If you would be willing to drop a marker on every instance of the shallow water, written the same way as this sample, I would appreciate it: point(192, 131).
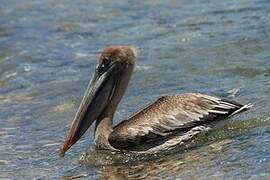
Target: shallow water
point(48, 52)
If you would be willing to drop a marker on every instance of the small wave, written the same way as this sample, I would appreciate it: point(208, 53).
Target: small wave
point(142, 67)
point(80, 55)
point(9, 75)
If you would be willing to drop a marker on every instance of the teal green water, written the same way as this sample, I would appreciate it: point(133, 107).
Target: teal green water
point(48, 51)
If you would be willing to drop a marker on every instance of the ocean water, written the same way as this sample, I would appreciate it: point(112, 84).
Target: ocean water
point(48, 51)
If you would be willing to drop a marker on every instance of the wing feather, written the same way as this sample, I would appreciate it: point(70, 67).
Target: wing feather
point(169, 114)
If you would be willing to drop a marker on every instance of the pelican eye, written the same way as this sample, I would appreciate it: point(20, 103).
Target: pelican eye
point(105, 64)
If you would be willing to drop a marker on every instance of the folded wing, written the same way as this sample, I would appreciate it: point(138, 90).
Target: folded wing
point(170, 114)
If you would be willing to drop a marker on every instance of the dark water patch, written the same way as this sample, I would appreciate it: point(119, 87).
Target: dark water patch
point(4, 55)
point(236, 10)
point(5, 32)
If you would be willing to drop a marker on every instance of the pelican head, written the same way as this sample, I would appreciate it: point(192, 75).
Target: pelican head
point(104, 92)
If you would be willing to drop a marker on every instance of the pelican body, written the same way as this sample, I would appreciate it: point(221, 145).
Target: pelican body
point(161, 126)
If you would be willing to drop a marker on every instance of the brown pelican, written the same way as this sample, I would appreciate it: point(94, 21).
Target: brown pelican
point(161, 126)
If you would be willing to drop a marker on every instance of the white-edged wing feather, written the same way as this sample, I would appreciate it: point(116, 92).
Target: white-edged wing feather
point(169, 114)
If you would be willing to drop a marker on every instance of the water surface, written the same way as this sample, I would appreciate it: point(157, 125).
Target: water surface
point(48, 51)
